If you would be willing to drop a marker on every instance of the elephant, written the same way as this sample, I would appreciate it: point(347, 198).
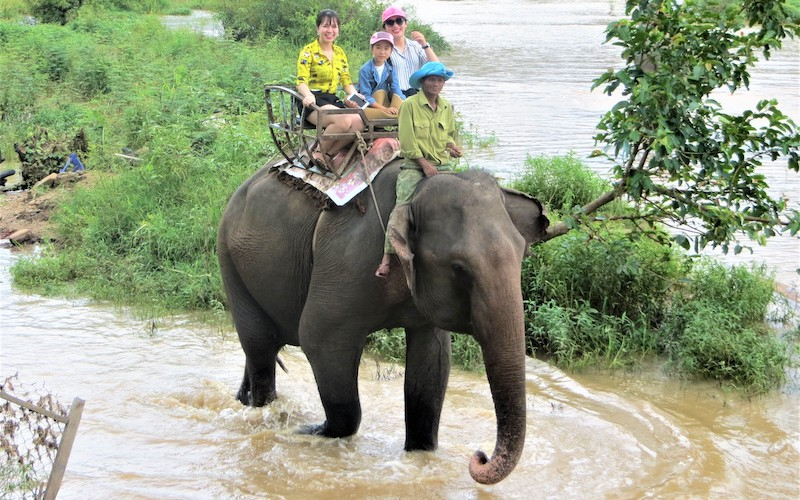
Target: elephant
point(298, 275)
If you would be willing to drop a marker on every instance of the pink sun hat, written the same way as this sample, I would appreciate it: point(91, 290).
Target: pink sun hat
point(381, 36)
point(392, 12)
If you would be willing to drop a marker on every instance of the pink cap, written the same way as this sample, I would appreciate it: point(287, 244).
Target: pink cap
point(393, 12)
point(381, 35)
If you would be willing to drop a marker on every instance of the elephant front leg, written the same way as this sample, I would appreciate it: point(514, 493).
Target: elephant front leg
point(336, 372)
point(427, 371)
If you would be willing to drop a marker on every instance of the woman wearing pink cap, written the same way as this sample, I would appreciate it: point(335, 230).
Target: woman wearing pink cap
point(378, 81)
point(409, 54)
point(322, 68)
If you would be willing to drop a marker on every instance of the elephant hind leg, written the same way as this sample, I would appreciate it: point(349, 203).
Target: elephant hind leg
point(258, 383)
point(259, 335)
point(243, 394)
point(427, 371)
point(261, 341)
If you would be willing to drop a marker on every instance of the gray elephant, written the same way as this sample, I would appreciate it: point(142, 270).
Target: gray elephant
point(295, 275)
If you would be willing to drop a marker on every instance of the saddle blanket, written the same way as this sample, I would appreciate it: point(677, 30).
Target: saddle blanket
point(356, 177)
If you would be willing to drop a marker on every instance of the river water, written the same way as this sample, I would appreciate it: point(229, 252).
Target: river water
point(161, 421)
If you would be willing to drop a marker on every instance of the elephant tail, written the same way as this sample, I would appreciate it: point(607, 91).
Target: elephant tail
point(280, 363)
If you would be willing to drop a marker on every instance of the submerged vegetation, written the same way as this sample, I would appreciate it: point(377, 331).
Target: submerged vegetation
point(190, 109)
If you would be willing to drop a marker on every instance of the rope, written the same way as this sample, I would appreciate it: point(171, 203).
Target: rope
point(362, 148)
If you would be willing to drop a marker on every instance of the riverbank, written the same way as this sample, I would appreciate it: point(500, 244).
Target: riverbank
point(25, 214)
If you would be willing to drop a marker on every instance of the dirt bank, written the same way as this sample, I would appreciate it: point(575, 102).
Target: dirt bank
point(27, 212)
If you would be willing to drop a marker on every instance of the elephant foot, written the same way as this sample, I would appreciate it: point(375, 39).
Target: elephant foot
point(327, 430)
point(255, 399)
point(243, 396)
point(312, 430)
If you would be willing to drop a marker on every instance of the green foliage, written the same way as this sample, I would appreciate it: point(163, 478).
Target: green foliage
point(467, 353)
point(192, 110)
point(20, 480)
point(609, 295)
point(388, 344)
point(678, 154)
point(705, 339)
point(745, 292)
point(295, 22)
point(54, 11)
point(578, 336)
point(614, 274)
point(560, 182)
point(597, 300)
point(585, 307)
point(10, 9)
point(391, 345)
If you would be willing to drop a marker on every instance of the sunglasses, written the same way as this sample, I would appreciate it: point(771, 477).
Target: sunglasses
point(391, 22)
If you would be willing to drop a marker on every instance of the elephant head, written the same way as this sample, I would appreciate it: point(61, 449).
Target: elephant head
point(461, 241)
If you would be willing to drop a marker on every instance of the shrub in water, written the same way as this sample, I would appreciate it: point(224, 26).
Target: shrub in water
point(704, 339)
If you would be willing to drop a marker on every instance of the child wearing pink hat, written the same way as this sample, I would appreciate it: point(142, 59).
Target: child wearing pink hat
point(408, 54)
point(378, 81)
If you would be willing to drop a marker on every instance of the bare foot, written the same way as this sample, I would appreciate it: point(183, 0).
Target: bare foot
point(383, 269)
point(318, 159)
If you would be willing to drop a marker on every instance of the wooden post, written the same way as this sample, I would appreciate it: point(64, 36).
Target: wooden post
point(64, 449)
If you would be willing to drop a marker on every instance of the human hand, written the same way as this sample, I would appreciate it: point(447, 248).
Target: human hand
point(419, 38)
point(455, 150)
point(309, 100)
point(428, 169)
point(391, 111)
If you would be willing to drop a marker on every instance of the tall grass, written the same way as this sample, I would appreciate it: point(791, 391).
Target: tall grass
point(190, 108)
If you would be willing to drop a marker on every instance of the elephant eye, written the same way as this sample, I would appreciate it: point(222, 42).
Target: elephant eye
point(461, 273)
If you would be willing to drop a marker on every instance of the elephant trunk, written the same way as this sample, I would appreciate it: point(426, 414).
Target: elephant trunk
point(501, 334)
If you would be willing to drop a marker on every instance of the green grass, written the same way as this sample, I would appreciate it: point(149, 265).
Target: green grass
point(17, 481)
point(192, 109)
point(391, 346)
point(559, 182)
point(704, 340)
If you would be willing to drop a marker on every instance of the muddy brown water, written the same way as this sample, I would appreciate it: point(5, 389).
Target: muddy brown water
point(161, 421)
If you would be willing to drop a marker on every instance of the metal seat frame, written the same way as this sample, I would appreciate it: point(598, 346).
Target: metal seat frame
point(296, 137)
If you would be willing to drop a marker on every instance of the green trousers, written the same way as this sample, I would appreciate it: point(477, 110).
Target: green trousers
point(410, 175)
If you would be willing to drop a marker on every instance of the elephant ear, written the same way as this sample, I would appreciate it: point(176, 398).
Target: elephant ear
point(400, 224)
point(527, 215)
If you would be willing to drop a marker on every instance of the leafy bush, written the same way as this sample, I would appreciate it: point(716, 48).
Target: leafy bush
point(612, 295)
point(391, 345)
point(590, 300)
point(742, 291)
point(559, 182)
point(578, 336)
point(54, 11)
point(705, 339)
point(613, 274)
